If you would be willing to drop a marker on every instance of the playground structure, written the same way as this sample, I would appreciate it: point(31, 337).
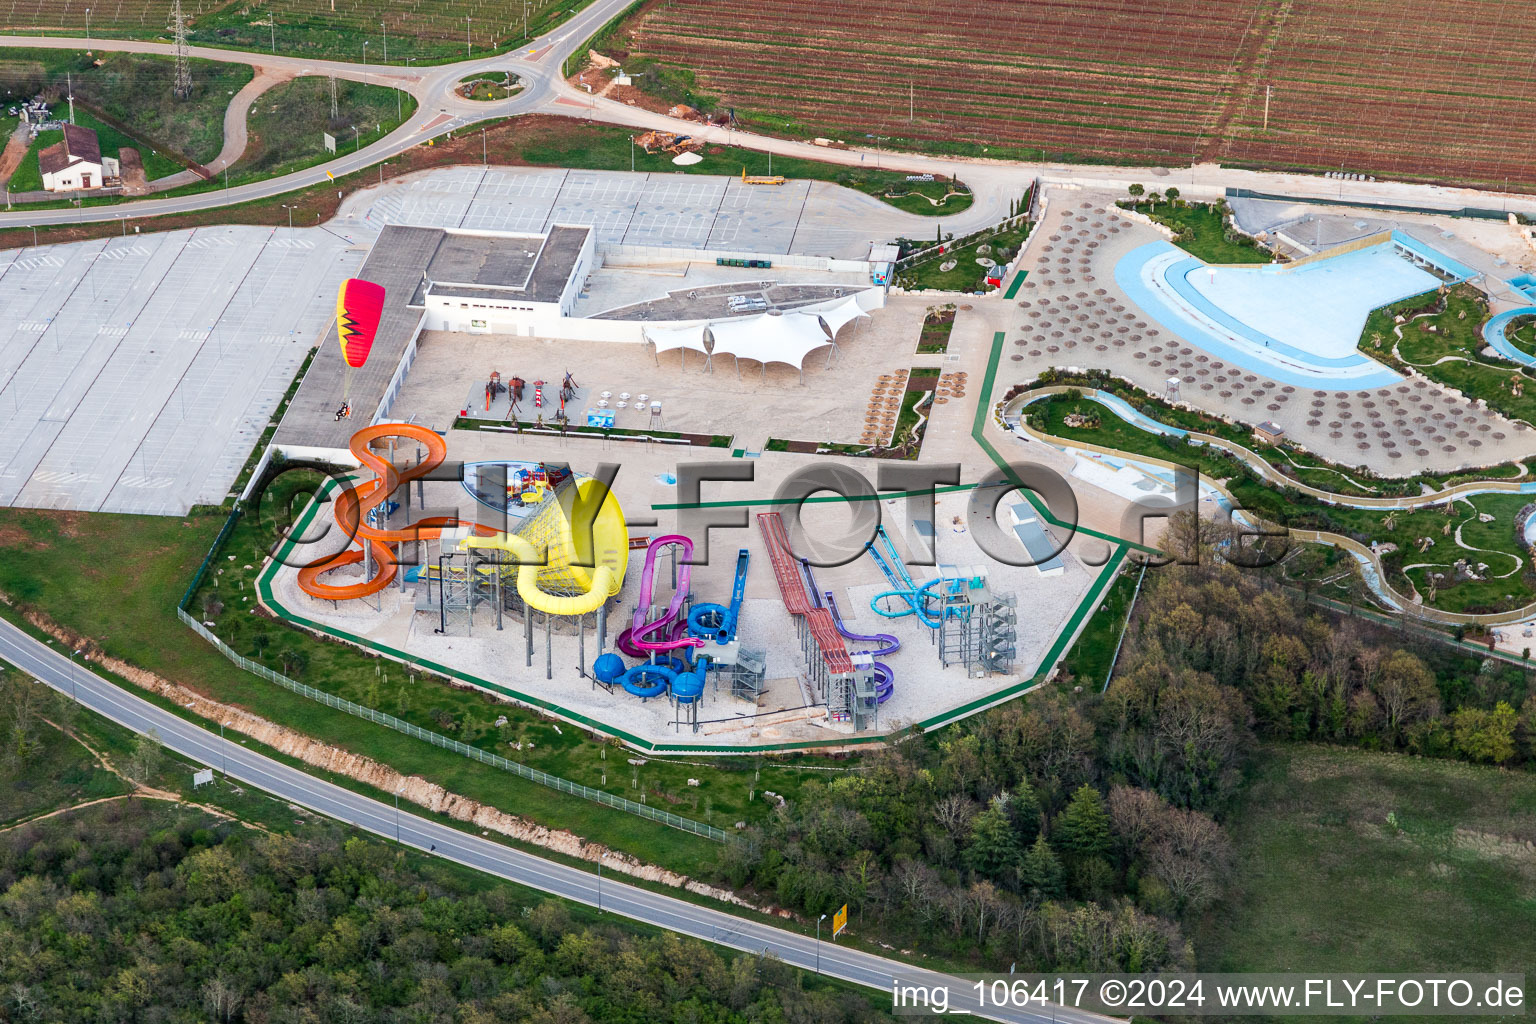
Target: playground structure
point(556, 570)
point(846, 685)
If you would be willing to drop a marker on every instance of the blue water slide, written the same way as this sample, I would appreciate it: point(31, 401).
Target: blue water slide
point(648, 680)
point(718, 622)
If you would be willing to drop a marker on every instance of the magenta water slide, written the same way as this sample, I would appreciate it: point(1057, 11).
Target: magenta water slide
point(633, 641)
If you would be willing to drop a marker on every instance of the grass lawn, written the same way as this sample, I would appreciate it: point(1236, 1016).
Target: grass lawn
point(1353, 861)
point(287, 122)
point(127, 606)
point(1202, 232)
point(29, 178)
point(54, 770)
point(1521, 332)
point(1452, 328)
point(966, 275)
point(134, 91)
point(1088, 660)
point(936, 327)
point(485, 86)
point(1508, 583)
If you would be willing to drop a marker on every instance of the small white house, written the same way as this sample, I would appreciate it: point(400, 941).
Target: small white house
point(76, 162)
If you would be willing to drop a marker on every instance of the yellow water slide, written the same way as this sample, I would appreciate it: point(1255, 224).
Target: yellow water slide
point(564, 570)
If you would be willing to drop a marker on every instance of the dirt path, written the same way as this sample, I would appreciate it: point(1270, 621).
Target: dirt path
point(139, 790)
point(236, 135)
point(15, 148)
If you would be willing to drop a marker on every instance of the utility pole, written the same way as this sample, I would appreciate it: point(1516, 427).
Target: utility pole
point(911, 102)
point(69, 83)
point(1267, 90)
point(333, 98)
point(182, 89)
point(87, 31)
point(385, 28)
point(272, 23)
point(466, 36)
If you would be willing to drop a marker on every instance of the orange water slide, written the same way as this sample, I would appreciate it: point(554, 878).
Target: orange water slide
point(354, 504)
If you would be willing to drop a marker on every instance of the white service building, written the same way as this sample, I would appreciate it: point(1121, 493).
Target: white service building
point(491, 282)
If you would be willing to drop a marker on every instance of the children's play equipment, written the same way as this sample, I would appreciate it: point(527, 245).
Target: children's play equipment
point(668, 631)
point(354, 504)
point(885, 677)
point(718, 622)
point(846, 685)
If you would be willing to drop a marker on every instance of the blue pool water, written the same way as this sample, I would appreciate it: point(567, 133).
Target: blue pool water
point(1299, 325)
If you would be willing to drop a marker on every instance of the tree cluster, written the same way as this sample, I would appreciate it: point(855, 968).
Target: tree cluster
point(117, 917)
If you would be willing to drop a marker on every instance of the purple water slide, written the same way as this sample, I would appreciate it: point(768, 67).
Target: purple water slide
point(885, 676)
point(890, 644)
point(633, 640)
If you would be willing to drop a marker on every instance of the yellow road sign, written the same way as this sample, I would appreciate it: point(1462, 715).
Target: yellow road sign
point(840, 920)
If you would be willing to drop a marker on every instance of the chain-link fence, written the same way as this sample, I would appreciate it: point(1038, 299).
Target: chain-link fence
point(436, 739)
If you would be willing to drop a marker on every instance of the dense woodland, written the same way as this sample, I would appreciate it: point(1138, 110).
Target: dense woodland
point(129, 912)
point(1079, 831)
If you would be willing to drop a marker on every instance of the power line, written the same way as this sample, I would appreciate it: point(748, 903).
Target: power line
point(182, 88)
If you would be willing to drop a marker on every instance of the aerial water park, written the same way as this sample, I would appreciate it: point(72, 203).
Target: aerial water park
point(526, 569)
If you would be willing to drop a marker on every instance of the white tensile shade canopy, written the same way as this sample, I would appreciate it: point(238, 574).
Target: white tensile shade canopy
point(787, 338)
point(838, 316)
point(668, 338)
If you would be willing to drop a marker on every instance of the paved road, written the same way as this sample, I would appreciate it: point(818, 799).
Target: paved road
point(995, 183)
point(61, 672)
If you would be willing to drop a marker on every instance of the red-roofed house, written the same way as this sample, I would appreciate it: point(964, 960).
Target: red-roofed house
point(76, 162)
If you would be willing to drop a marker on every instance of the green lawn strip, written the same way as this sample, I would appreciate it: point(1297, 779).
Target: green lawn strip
point(45, 769)
point(1352, 860)
point(1088, 661)
point(286, 124)
point(1202, 231)
point(1521, 333)
point(1451, 328)
point(967, 275)
point(608, 148)
point(937, 325)
point(1290, 460)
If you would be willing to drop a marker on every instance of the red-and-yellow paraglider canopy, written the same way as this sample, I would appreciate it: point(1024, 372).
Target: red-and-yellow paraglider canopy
point(359, 304)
